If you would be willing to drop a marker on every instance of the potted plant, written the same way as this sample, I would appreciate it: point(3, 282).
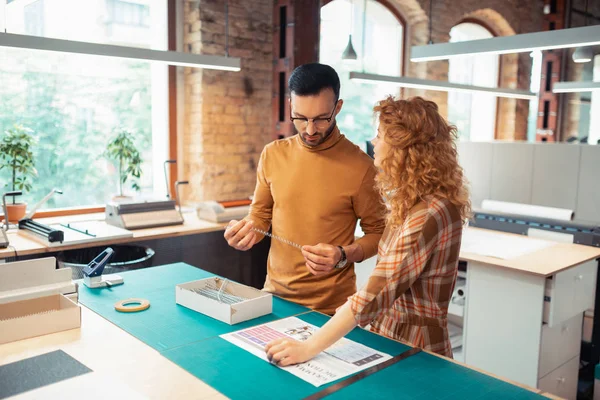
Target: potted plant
point(16, 155)
point(122, 149)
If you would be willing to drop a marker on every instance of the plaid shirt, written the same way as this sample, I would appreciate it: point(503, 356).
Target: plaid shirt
point(408, 293)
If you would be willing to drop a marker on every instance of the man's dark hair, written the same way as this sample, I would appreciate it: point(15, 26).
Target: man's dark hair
point(311, 79)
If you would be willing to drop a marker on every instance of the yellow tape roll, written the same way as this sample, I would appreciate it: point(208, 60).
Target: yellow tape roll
point(127, 305)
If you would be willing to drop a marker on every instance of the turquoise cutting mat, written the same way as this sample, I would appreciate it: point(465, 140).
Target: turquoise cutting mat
point(227, 367)
point(424, 376)
point(166, 324)
point(190, 340)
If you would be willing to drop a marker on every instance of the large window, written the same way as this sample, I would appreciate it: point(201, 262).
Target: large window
point(75, 103)
point(534, 86)
point(473, 114)
point(594, 137)
point(382, 54)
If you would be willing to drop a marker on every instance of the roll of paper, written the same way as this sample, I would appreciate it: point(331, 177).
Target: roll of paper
point(529, 210)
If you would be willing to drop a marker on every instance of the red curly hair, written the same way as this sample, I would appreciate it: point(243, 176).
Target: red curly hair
point(422, 159)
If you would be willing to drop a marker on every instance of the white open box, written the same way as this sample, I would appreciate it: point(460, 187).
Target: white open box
point(258, 303)
point(39, 316)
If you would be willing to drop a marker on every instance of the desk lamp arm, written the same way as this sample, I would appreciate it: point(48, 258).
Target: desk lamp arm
point(30, 214)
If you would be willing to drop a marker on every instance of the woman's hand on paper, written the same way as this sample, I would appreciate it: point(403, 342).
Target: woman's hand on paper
point(287, 351)
point(240, 236)
point(322, 258)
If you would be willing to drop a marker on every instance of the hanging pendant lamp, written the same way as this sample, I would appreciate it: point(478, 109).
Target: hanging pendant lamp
point(349, 53)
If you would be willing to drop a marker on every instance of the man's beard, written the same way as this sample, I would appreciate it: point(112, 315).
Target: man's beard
point(322, 136)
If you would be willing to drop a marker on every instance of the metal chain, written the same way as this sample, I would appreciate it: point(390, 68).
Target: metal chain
point(289, 242)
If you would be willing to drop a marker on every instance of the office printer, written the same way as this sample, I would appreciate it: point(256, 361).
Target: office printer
point(217, 212)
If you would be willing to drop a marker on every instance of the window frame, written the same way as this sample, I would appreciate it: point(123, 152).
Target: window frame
point(172, 134)
point(490, 29)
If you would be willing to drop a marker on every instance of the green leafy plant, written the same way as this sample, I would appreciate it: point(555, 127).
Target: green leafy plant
point(17, 156)
point(123, 150)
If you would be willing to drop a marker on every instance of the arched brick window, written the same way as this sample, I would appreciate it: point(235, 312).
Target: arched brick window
point(474, 114)
point(383, 50)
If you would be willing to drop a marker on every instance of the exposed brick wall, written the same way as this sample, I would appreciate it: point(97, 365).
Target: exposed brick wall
point(227, 114)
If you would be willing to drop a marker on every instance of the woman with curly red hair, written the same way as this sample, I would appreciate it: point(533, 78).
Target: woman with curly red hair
point(408, 293)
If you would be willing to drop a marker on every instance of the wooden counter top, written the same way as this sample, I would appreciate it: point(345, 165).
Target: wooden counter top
point(123, 366)
point(545, 261)
point(25, 245)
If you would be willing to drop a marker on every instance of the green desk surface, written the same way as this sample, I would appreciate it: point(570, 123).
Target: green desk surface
point(227, 367)
point(166, 324)
point(191, 340)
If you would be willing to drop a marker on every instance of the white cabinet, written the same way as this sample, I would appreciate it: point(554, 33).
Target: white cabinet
point(560, 344)
point(562, 381)
point(569, 293)
point(525, 327)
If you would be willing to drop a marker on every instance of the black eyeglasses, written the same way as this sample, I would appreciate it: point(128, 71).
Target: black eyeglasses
point(319, 123)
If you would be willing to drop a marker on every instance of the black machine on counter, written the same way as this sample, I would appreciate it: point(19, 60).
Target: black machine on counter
point(50, 234)
point(38, 229)
point(582, 232)
point(57, 233)
point(26, 223)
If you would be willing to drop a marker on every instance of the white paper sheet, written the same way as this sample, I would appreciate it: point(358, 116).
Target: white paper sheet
point(493, 244)
point(344, 358)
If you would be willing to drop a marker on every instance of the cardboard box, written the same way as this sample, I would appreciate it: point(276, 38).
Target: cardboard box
point(256, 304)
point(39, 316)
point(22, 280)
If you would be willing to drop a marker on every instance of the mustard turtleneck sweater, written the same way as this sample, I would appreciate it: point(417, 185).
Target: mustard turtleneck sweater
point(312, 195)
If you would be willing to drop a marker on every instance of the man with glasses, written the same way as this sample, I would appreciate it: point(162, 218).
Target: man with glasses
point(311, 189)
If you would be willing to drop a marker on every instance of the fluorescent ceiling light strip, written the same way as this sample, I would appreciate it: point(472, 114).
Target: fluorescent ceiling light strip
point(415, 83)
point(131, 53)
point(526, 42)
point(574, 87)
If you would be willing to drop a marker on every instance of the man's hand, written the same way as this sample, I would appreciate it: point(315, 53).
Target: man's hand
point(284, 352)
point(240, 236)
point(322, 258)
